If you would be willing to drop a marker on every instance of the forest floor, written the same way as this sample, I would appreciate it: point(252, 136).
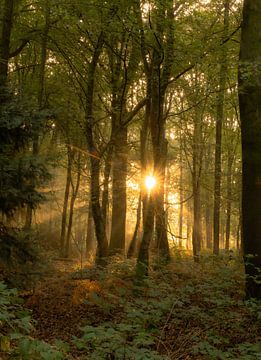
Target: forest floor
point(182, 311)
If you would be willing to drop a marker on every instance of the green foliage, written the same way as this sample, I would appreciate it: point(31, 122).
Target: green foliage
point(16, 325)
point(118, 341)
point(205, 300)
point(254, 306)
point(13, 318)
point(21, 170)
point(135, 335)
point(244, 351)
point(199, 305)
point(22, 173)
point(31, 349)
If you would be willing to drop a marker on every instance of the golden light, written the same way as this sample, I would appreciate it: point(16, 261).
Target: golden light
point(150, 182)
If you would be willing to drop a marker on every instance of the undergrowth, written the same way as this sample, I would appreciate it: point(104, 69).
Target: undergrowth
point(16, 327)
point(181, 311)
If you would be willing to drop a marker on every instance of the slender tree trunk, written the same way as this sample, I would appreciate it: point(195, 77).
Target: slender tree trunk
point(219, 123)
point(208, 202)
point(143, 256)
point(229, 195)
point(181, 197)
point(134, 241)
point(250, 114)
point(74, 194)
point(105, 193)
point(144, 153)
point(239, 228)
point(100, 228)
point(222, 233)
point(65, 201)
point(196, 178)
point(197, 231)
point(90, 236)
point(208, 220)
point(188, 241)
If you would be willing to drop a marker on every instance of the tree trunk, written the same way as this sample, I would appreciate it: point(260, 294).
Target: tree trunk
point(181, 197)
point(208, 202)
point(134, 241)
point(160, 212)
point(74, 194)
point(90, 236)
point(105, 193)
point(188, 241)
point(197, 229)
point(196, 178)
point(144, 153)
point(250, 113)
point(229, 195)
point(119, 195)
point(219, 123)
point(29, 210)
point(142, 267)
point(208, 221)
point(239, 228)
point(100, 228)
point(65, 202)
point(158, 72)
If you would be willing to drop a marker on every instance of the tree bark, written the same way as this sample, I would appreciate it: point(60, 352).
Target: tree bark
point(208, 221)
point(90, 236)
point(208, 202)
point(250, 114)
point(181, 197)
point(74, 194)
point(219, 123)
point(188, 233)
point(65, 201)
point(105, 193)
point(142, 267)
point(158, 72)
point(119, 194)
point(229, 195)
point(196, 184)
point(134, 241)
point(95, 160)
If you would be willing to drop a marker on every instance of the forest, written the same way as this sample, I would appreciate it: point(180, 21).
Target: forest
point(130, 179)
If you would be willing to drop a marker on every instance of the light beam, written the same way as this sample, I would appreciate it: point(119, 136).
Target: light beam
point(150, 182)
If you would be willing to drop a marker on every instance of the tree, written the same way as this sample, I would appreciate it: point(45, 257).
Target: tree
point(40, 99)
point(219, 123)
point(124, 55)
point(21, 174)
point(250, 114)
point(158, 59)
